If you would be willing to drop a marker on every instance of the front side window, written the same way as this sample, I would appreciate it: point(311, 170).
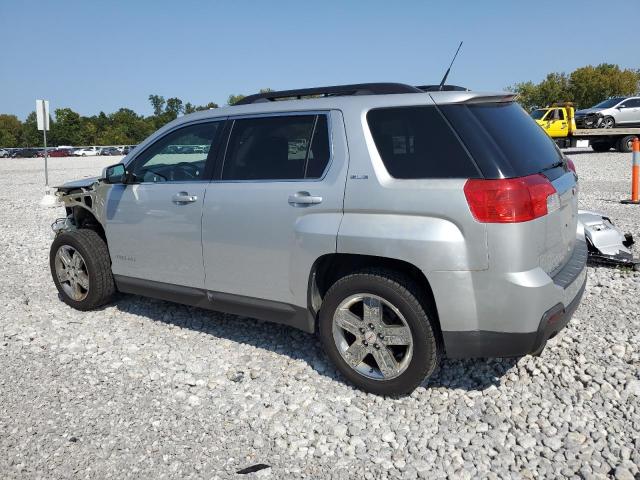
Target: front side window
point(277, 148)
point(632, 103)
point(554, 114)
point(179, 156)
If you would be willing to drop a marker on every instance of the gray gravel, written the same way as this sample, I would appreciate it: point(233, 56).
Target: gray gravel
point(149, 389)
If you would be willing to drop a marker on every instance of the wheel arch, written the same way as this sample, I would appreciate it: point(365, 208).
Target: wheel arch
point(83, 217)
point(329, 268)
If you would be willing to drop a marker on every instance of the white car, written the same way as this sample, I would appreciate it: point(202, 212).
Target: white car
point(87, 152)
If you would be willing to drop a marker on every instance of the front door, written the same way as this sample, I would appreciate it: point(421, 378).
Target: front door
point(629, 112)
point(556, 124)
point(276, 206)
point(154, 224)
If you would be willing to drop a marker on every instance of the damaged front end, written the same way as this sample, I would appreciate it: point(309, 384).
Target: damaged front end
point(607, 244)
point(81, 203)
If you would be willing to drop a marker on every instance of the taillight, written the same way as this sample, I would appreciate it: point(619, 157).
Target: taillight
point(510, 200)
point(571, 165)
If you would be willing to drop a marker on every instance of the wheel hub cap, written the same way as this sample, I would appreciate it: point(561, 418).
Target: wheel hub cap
point(370, 336)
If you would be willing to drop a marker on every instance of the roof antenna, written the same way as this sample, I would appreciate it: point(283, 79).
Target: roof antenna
point(444, 79)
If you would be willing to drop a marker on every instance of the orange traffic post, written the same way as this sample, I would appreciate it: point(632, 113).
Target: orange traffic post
point(635, 173)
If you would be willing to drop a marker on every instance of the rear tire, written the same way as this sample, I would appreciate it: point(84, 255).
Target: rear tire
point(625, 143)
point(387, 324)
point(601, 146)
point(81, 269)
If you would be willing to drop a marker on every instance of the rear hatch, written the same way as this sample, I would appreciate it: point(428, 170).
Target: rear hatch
point(506, 143)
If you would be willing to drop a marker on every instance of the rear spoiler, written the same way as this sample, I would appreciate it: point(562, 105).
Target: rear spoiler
point(440, 98)
point(507, 97)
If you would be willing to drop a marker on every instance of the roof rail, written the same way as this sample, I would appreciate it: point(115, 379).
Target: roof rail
point(444, 88)
point(338, 90)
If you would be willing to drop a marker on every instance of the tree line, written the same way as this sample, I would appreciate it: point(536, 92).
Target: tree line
point(123, 127)
point(585, 87)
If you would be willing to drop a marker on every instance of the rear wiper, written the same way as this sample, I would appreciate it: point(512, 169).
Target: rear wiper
point(559, 163)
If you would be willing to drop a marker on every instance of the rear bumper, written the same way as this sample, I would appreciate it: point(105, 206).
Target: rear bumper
point(477, 344)
point(521, 312)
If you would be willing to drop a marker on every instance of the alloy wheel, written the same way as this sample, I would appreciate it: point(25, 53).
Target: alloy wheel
point(72, 273)
point(372, 336)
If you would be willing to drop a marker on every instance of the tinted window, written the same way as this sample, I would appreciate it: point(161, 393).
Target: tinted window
point(277, 148)
point(503, 139)
point(179, 156)
point(416, 142)
point(633, 103)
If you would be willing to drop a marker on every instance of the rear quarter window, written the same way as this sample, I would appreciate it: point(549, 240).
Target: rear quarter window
point(417, 143)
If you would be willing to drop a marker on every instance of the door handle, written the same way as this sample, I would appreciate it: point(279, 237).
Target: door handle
point(303, 199)
point(183, 197)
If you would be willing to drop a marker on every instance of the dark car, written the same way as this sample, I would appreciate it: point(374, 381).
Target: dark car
point(25, 153)
point(110, 151)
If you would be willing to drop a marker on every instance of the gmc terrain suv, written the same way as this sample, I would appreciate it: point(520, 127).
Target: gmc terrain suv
point(400, 223)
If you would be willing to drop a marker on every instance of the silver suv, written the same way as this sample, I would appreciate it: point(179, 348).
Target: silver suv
point(400, 224)
point(614, 112)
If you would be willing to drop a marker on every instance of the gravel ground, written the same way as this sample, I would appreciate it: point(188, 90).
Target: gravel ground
point(149, 389)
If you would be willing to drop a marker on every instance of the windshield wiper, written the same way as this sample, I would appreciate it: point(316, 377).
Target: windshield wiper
point(559, 163)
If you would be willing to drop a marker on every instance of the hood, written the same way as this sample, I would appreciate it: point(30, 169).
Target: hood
point(83, 183)
point(587, 111)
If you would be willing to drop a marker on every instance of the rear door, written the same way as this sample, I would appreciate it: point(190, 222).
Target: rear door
point(275, 206)
point(154, 225)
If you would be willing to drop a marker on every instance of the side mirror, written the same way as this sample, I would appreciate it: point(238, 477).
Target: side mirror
point(620, 107)
point(114, 174)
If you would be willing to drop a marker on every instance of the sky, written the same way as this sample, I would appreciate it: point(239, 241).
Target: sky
point(100, 55)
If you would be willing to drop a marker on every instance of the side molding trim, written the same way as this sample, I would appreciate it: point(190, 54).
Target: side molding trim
point(270, 311)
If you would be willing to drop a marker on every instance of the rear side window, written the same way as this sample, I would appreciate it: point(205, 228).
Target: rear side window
point(504, 141)
point(416, 142)
point(277, 148)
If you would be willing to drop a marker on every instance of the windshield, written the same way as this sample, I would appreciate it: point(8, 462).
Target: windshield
point(612, 102)
point(538, 114)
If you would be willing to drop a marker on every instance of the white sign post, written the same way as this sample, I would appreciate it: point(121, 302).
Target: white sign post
point(42, 115)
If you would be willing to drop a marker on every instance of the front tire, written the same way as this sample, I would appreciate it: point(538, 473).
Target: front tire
point(81, 269)
point(375, 328)
point(608, 122)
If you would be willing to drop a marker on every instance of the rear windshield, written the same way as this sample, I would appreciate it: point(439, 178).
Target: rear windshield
point(503, 140)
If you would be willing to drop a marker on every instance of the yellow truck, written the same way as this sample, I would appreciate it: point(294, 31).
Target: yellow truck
point(560, 124)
